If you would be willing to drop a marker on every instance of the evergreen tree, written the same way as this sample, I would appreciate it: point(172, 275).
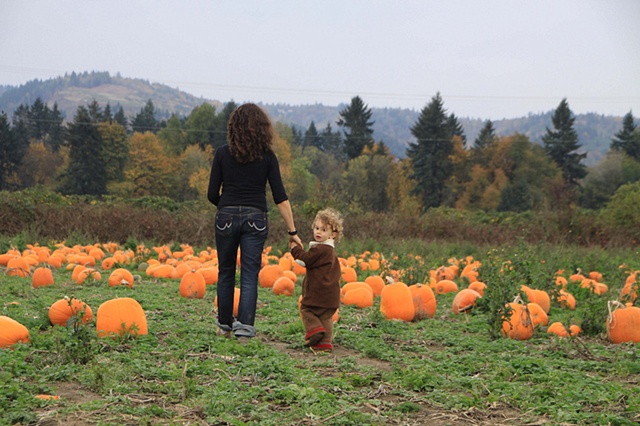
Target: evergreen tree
point(115, 150)
point(297, 136)
point(356, 117)
point(220, 136)
point(11, 152)
point(457, 129)
point(173, 136)
point(627, 140)
point(561, 144)
point(430, 154)
point(120, 118)
point(486, 137)
point(85, 173)
point(312, 138)
point(332, 143)
point(38, 117)
point(55, 129)
point(145, 120)
point(202, 125)
point(108, 115)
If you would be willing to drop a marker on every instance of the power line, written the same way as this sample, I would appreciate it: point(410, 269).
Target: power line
point(325, 92)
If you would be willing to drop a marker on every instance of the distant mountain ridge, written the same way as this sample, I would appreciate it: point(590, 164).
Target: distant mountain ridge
point(392, 125)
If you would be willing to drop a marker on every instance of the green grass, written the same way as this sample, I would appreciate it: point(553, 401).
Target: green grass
point(444, 370)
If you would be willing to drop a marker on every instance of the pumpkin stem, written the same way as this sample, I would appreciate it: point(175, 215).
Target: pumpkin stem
point(612, 305)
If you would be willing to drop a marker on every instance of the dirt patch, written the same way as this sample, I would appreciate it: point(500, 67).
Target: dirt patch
point(420, 411)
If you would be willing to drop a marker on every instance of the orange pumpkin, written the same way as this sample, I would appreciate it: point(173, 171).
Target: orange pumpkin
point(376, 283)
point(236, 301)
point(291, 275)
point(160, 270)
point(540, 297)
point(538, 315)
point(478, 286)
point(629, 292)
point(286, 262)
point(210, 274)
point(283, 286)
point(88, 273)
point(298, 269)
point(269, 274)
point(574, 330)
point(41, 277)
point(353, 285)
point(192, 285)
point(445, 273)
point(349, 274)
point(6, 257)
point(18, 267)
point(12, 332)
point(121, 276)
point(558, 329)
point(360, 297)
point(567, 300)
point(61, 311)
point(108, 263)
point(623, 323)
point(396, 302)
point(424, 301)
point(596, 276)
point(517, 324)
point(464, 300)
point(445, 286)
point(120, 316)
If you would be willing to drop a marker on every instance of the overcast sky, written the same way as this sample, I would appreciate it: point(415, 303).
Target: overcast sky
point(488, 59)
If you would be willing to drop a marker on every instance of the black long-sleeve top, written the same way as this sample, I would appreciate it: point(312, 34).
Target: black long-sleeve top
point(244, 184)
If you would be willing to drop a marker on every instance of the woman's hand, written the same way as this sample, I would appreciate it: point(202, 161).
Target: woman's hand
point(294, 240)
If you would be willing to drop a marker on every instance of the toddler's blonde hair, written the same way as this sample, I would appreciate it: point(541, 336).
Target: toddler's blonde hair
point(333, 219)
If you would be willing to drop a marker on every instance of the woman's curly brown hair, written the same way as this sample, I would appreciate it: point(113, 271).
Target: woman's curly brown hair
point(250, 133)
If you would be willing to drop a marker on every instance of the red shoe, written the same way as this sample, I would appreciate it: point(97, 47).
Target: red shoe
point(314, 336)
point(323, 347)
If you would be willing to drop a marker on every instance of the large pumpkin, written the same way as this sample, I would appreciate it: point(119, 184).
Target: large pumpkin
point(518, 324)
point(121, 316)
point(193, 285)
point(121, 276)
point(445, 286)
point(538, 315)
point(269, 274)
point(284, 286)
point(360, 297)
point(42, 277)
point(424, 301)
point(353, 285)
point(349, 274)
point(61, 311)
point(464, 300)
point(396, 302)
point(540, 297)
point(19, 267)
point(623, 323)
point(12, 332)
point(376, 283)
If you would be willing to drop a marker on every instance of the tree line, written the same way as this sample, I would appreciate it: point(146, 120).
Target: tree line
point(102, 152)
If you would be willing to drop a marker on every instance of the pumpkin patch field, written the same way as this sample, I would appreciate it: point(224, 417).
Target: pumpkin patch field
point(427, 334)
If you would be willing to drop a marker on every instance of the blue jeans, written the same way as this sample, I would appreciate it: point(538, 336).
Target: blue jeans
point(245, 228)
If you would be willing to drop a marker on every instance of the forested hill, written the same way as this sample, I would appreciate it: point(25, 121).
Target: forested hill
point(392, 125)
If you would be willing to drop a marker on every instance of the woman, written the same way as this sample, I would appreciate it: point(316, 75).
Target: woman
point(242, 169)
